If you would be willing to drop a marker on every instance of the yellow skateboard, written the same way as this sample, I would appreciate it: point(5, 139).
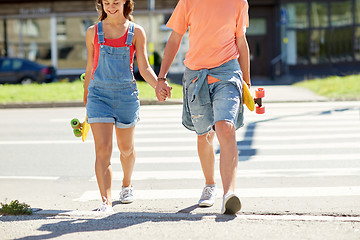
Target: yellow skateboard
point(250, 102)
point(80, 129)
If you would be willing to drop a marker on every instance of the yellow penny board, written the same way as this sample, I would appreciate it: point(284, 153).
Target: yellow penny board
point(85, 129)
point(248, 100)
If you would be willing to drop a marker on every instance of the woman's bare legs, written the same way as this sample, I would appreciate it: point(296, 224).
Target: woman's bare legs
point(102, 133)
point(125, 142)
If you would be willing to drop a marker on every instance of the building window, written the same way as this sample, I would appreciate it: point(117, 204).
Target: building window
point(341, 44)
point(330, 35)
point(30, 39)
point(60, 28)
point(341, 14)
point(257, 27)
point(357, 44)
point(296, 34)
point(297, 48)
point(71, 33)
point(357, 11)
point(319, 15)
point(319, 46)
point(297, 15)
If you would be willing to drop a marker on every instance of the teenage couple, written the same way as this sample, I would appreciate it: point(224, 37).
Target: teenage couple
point(217, 63)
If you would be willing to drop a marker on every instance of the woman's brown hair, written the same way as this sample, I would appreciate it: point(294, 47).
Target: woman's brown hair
point(128, 9)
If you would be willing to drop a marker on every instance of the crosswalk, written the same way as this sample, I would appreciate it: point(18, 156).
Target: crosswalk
point(319, 142)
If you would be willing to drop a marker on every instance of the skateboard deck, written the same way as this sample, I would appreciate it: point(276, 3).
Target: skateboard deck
point(80, 129)
point(250, 102)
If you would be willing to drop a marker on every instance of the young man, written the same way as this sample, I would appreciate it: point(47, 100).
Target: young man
point(216, 64)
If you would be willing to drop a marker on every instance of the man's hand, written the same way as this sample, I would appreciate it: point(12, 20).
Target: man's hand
point(162, 90)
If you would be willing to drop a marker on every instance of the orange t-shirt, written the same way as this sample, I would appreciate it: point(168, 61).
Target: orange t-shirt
point(213, 26)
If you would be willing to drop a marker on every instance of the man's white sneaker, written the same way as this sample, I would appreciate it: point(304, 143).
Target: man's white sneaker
point(126, 195)
point(231, 204)
point(207, 198)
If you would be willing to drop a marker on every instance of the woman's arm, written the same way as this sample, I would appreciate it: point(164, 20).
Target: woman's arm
point(141, 55)
point(90, 34)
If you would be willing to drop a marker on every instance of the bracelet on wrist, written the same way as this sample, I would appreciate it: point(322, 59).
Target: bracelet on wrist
point(161, 79)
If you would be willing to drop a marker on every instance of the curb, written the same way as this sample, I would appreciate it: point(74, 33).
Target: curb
point(200, 216)
point(78, 104)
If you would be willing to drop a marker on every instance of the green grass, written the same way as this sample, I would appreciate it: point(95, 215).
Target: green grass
point(335, 88)
point(65, 91)
point(15, 208)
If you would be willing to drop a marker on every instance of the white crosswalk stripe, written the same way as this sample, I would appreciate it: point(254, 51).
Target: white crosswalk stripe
point(306, 141)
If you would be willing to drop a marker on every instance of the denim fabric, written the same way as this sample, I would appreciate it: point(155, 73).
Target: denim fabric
point(205, 104)
point(113, 95)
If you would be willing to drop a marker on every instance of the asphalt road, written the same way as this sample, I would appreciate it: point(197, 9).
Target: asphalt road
point(298, 177)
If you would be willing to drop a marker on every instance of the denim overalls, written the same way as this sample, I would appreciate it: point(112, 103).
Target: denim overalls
point(113, 95)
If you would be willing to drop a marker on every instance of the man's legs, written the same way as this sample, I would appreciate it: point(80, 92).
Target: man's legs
point(207, 160)
point(207, 156)
point(225, 132)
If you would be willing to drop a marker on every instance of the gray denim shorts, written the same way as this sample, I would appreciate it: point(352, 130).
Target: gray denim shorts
point(225, 104)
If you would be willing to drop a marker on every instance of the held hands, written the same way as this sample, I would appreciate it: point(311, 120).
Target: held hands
point(162, 89)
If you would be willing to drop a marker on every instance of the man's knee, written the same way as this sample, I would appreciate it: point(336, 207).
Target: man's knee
point(206, 138)
point(224, 128)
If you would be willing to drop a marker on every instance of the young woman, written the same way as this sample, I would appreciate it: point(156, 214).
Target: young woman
point(110, 92)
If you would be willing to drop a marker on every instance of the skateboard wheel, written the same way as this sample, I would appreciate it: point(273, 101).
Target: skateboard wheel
point(259, 93)
point(260, 110)
point(82, 77)
point(75, 123)
point(77, 132)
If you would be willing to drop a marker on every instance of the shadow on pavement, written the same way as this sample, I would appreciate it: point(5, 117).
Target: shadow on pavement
point(102, 222)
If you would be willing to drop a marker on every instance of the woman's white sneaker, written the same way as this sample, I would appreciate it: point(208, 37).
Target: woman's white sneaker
point(104, 207)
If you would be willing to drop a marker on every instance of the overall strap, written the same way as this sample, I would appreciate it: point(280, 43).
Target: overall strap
point(130, 34)
point(100, 33)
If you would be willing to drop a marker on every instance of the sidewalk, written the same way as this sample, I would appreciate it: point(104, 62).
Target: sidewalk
point(288, 93)
point(273, 94)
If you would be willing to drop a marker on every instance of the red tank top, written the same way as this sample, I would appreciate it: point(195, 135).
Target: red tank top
point(118, 42)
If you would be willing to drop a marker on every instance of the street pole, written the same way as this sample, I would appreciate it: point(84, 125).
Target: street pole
point(5, 53)
point(151, 7)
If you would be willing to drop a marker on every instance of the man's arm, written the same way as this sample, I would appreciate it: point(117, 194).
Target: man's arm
point(171, 49)
point(244, 58)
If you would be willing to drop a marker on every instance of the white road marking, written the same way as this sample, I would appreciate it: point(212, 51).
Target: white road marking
point(255, 158)
point(259, 146)
point(263, 173)
point(28, 178)
point(243, 192)
point(350, 137)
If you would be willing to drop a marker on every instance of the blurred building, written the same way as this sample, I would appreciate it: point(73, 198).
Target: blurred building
point(295, 37)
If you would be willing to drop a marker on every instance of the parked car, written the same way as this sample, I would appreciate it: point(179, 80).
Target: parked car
point(18, 70)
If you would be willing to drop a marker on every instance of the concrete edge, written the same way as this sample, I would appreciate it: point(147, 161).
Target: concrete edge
point(78, 104)
point(201, 216)
point(142, 102)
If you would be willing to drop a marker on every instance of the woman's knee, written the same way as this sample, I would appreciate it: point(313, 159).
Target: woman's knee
point(103, 150)
point(126, 150)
